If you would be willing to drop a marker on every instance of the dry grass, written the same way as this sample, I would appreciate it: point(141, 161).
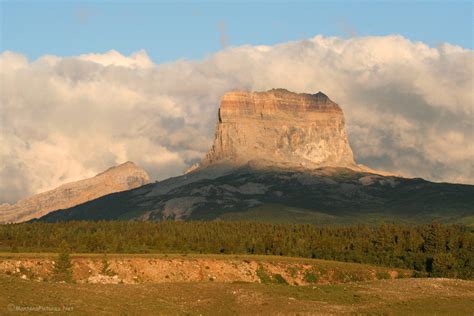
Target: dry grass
point(401, 296)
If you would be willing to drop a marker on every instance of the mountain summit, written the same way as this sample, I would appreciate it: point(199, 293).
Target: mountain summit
point(280, 128)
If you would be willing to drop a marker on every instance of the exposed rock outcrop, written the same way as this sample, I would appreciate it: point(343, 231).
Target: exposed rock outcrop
point(282, 129)
point(283, 157)
point(120, 178)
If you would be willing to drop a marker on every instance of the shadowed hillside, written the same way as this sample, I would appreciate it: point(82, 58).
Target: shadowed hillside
point(321, 196)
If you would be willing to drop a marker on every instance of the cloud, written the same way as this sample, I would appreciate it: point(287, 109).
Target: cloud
point(408, 107)
point(136, 60)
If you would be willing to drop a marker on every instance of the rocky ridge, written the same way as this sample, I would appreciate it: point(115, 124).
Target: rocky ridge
point(120, 178)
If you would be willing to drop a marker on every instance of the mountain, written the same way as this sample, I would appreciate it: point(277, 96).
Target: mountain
point(324, 196)
point(283, 157)
point(123, 177)
point(281, 128)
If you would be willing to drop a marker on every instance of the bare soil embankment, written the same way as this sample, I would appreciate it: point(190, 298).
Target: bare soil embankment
point(131, 269)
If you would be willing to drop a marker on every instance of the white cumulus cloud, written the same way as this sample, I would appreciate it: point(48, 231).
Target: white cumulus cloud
point(408, 107)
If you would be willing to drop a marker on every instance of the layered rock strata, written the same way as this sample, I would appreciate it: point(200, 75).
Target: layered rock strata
point(280, 128)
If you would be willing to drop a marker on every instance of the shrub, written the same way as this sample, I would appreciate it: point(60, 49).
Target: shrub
point(277, 278)
point(25, 271)
point(263, 276)
point(105, 270)
point(310, 277)
point(292, 271)
point(383, 275)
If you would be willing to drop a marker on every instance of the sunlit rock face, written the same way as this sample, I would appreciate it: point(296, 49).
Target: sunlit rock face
point(120, 178)
point(280, 128)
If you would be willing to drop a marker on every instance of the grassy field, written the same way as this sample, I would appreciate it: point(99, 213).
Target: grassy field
point(400, 296)
point(397, 297)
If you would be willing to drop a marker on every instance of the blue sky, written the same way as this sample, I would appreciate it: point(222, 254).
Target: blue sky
point(191, 30)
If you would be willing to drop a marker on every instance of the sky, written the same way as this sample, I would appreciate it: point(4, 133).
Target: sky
point(85, 86)
point(169, 31)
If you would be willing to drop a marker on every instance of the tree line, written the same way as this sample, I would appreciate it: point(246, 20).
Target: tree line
point(434, 249)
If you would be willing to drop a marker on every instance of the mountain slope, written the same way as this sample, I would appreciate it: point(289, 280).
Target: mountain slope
point(323, 196)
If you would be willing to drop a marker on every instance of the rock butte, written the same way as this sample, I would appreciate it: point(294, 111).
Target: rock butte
point(120, 178)
point(282, 129)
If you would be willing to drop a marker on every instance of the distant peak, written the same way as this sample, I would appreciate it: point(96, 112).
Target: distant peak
point(125, 176)
point(129, 165)
point(320, 95)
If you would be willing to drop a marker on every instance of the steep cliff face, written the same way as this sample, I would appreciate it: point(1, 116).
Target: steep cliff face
point(120, 178)
point(280, 128)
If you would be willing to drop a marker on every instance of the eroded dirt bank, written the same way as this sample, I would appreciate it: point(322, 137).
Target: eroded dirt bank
point(190, 268)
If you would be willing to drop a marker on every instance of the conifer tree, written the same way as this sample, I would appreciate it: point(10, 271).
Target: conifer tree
point(62, 266)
